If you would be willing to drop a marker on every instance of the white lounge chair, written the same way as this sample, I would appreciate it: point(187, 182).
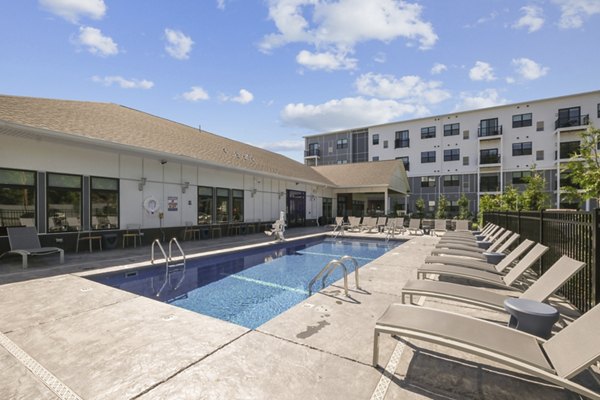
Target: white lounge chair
point(25, 242)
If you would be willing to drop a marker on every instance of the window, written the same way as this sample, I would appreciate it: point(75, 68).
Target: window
point(327, 210)
point(405, 161)
point(521, 120)
point(465, 135)
point(237, 200)
point(489, 183)
point(222, 205)
point(375, 139)
point(451, 129)
point(104, 203)
point(452, 207)
point(427, 157)
point(569, 117)
point(567, 149)
point(64, 202)
point(313, 150)
point(539, 155)
point(489, 156)
point(428, 181)
point(401, 139)
point(451, 180)
point(520, 177)
point(342, 162)
point(375, 158)
point(205, 205)
point(539, 126)
point(428, 133)
point(452, 155)
point(17, 197)
point(521, 149)
point(342, 144)
point(489, 127)
point(466, 160)
point(385, 144)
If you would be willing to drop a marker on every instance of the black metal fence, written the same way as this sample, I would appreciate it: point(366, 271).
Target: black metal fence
point(572, 233)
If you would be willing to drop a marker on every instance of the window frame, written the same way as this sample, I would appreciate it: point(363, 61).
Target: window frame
point(402, 139)
point(59, 221)
point(518, 120)
point(452, 129)
point(104, 221)
point(428, 181)
point(31, 196)
point(522, 149)
point(342, 144)
point(518, 177)
point(452, 154)
point(375, 139)
point(428, 132)
point(451, 180)
point(209, 217)
point(426, 157)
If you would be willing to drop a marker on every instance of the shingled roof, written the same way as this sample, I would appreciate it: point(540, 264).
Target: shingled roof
point(388, 173)
point(115, 124)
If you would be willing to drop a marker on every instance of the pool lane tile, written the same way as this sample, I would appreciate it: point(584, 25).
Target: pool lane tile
point(50, 299)
point(120, 350)
point(259, 366)
point(23, 385)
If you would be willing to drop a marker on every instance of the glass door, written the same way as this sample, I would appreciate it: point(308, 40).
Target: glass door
point(296, 208)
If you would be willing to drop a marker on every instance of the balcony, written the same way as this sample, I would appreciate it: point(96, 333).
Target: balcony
point(312, 153)
point(399, 143)
point(572, 121)
point(489, 159)
point(407, 166)
point(489, 131)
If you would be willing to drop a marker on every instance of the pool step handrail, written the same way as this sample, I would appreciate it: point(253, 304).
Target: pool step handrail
point(342, 260)
point(169, 266)
point(331, 265)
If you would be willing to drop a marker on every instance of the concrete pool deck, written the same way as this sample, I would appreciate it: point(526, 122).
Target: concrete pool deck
point(80, 338)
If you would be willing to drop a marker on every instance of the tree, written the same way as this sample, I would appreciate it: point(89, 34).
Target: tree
point(420, 206)
point(440, 212)
point(488, 202)
point(511, 199)
point(463, 207)
point(583, 168)
point(535, 197)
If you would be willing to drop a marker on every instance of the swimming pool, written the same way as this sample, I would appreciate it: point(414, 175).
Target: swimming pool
point(251, 287)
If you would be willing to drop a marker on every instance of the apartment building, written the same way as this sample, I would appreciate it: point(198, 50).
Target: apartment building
point(472, 152)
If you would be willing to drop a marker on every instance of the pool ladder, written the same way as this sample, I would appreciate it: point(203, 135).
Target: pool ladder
point(330, 267)
point(169, 267)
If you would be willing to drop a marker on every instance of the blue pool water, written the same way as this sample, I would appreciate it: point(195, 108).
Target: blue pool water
point(251, 287)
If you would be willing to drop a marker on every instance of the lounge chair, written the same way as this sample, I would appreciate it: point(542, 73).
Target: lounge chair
point(546, 285)
point(439, 227)
point(354, 223)
point(556, 360)
point(462, 225)
point(473, 246)
point(476, 253)
point(414, 227)
point(368, 224)
point(25, 242)
point(486, 277)
point(478, 264)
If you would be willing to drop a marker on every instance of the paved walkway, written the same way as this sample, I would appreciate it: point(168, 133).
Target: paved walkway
point(63, 336)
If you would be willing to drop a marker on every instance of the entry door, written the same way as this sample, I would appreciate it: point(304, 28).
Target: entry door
point(296, 208)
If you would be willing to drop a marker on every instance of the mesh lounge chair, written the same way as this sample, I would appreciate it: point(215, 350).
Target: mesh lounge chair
point(486, 277)
point(414, 227)
point(462, 225)
point(546, 285)
point(557, 360)
point(498, 247)
point(25, 242)
point(478, 264)
point(368, 224)
point(472, 246)
point(439, 227)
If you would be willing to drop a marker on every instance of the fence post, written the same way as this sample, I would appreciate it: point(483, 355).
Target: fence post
point(595, 278)
point(519, 223)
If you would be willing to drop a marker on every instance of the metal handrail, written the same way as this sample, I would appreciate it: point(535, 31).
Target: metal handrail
point(335, 263)
point(157, 242)
point(167, 266)
point(345, 258)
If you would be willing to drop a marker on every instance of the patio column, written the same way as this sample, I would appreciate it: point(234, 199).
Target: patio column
point(386, 197)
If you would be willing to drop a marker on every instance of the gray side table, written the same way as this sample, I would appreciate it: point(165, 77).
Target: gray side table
point(531, 316)
point(493, 258)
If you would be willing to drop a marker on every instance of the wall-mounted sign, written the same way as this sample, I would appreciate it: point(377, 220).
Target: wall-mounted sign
point(172, 203)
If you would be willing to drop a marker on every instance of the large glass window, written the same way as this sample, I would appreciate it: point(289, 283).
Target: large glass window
point(342, 144)
point(64, 202)
point(451, 180)
point(222, 205)
point(451, 129)
point(104, 206)
point(428, 133)
point(427, 157)
point(401, 139)
point(205, 205)
point(489, 183)
point(327, 210)
point(489, 127)
point(375, 139)
point(237, 198)
point(520, 177)
point(521, 120)
point(568, 149)
point(452, 155)
point(489, 156)
point(17, 197)
point(428, 181)
point(521, 149)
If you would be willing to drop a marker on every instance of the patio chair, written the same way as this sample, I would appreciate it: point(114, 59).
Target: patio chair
point(414, 227)
point(497, 247)
point(339, 225)
point(484, 276)
point(133, 231)
point(471, 242)
point(545, 286)
point(27, 221)
point(25, 242)
point(556, 360)
point(462, 225)
point(354, 223)
point(478, 264)
point(439, 227)
point(368, 224)
point(190, 230)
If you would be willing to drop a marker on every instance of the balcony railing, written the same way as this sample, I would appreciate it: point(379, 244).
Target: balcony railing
point(491, 159)
point(407, 166)
point(572, 121)
point(312, 153)
point(398, 143)
point(485, 131)
point(489, 187)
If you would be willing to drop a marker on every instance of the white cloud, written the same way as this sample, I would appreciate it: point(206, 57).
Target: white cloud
point(96, 42)
point(221, 4)
point(179, 45)
point(529, 69)
point(73, 10)
point(438, 68)
point(350, 111)
point(124, 83)
point(380, 58)
point(532, 20)
point(483, 99)
point(326, 61)
point(244, 97)
point(510, 79)
point(195, 94)
point(410, 88)
point(482, 71)
point(484, 20)
point(284, 145)
point(574, 12)
point(335, 27)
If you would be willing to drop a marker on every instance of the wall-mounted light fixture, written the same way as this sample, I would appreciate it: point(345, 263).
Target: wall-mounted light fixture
point(252, 192)
point(184, 186)
point(141, 184)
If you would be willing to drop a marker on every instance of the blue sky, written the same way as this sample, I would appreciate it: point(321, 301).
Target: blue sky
point(268, 72)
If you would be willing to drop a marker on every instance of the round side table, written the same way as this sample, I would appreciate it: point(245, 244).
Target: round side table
point(531, 316)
